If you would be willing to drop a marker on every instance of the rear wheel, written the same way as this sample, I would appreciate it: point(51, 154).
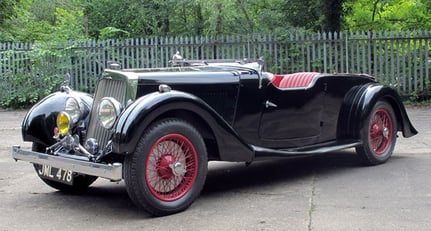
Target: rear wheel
point(80, 181)
point(378, 134)
point(167, 171)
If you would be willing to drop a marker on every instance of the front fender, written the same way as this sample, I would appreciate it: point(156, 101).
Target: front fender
point(358, 104)
point(39, 123)
point(147, 109)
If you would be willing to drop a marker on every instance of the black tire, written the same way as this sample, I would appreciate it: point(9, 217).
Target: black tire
point(80, 181)
point(167, 171)
point(379, 135)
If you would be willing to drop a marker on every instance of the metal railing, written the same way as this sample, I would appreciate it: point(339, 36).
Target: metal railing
point(401, 59)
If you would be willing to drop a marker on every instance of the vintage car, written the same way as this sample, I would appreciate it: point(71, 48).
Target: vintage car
point(158, 128)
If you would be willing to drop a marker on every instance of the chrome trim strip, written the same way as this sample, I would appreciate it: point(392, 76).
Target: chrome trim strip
point(112, 172)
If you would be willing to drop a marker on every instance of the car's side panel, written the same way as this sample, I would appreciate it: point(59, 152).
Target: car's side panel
point(338, 88)
point(147, 109)
point(305, 115)
point(219, 90)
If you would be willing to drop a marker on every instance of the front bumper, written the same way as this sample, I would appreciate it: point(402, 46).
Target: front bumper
point(109, 171)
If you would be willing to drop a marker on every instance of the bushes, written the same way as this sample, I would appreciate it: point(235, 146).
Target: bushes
point(26, 76)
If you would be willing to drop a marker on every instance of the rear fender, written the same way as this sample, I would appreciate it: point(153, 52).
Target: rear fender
point(151, 107)
point(358, 104)
point(39, 123)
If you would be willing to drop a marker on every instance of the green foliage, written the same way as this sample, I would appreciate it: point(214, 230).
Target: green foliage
point(53, 21)
point(7, 10)
point(388, 14)
point(13, 97)
point(68, 25)
point(200, 17)
point(27, 78)
point(113, 33)
point(419, 97)
point(138, 18)
point(43, 20)
point(305, 14)
point(61, 20)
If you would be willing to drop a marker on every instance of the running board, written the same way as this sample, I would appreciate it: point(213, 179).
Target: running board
point(266, 153)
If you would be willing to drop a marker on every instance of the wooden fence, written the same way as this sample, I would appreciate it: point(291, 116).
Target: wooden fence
point(401, 59)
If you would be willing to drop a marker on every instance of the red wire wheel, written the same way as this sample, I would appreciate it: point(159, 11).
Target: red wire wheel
point(167, 171)
point(380, 131)
point(378, 134)
point(171, 167)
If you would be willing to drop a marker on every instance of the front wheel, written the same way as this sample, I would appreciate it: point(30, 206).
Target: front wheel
point(379, 134)
point(167, 171)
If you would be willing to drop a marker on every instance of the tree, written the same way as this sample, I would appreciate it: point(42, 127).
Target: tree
point(43, 20)
point(136, 17)
point(7, 10)
point(388, 14)
point(332, 15)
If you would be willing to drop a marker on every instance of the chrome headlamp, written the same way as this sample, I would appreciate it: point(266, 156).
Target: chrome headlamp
point(75, 108)
point(108, 110)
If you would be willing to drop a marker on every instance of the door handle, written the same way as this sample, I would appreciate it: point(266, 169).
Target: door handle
point(270, 104)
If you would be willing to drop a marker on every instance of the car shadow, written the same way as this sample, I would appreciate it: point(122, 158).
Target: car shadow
point(266, 173)
point(112, 199)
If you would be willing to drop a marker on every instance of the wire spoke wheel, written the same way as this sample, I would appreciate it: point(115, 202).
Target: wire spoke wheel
point(380, 131)
point(167, 171)
point(378, 134)
point(171, 167)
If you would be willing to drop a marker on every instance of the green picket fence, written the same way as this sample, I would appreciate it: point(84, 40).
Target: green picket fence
point(401, 59)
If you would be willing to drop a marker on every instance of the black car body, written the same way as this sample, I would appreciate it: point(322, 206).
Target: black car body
point(158, 128)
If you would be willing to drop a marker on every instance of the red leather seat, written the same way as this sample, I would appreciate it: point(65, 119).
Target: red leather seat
point(300, 79)
point(276, 79)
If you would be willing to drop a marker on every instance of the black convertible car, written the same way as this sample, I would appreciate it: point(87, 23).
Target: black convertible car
point(158, 128)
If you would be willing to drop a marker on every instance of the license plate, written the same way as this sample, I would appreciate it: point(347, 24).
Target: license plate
point(56, 174)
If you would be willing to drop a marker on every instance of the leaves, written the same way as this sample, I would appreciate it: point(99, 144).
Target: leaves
point(61, 20)
point(388, 15)
point(52, 21)
point(113, 33)
point(27, 77)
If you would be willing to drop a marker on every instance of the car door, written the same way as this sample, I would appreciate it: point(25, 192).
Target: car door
point(292, 116)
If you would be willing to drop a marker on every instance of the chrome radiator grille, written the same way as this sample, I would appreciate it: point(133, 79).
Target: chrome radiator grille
point(106, 88)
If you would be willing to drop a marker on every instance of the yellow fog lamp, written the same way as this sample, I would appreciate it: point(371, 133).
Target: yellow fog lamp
point(64, 123)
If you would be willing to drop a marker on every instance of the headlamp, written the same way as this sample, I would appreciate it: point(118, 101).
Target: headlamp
point(74, 108)
point(108, 110)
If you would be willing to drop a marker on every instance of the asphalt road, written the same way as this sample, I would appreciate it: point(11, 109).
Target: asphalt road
point(326, 192)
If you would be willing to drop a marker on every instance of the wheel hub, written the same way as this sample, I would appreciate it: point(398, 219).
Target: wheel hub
point(178, 169)
point(169, 167)
point(163, 166)
point(385, 132)
point(376, 129)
